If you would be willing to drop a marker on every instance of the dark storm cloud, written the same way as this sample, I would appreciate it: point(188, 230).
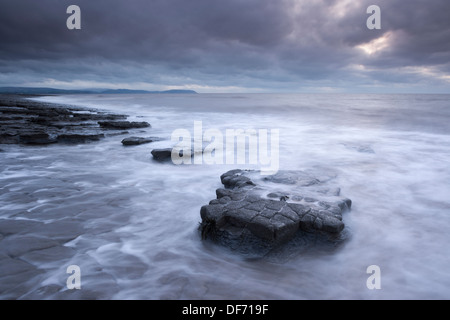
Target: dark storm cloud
point(158, 29)
point(269, 44)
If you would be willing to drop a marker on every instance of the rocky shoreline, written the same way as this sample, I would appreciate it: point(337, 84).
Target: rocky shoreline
point(28, 122)
point(30, 243)
point(270, 217)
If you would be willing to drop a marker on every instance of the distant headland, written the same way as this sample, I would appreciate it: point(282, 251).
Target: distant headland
point(30, 90)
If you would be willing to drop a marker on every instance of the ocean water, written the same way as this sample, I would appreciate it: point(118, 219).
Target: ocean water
point(139, 218)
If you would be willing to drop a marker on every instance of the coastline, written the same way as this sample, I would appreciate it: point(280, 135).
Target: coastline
point(36, 123)
point(34, 241)
point(134, 221)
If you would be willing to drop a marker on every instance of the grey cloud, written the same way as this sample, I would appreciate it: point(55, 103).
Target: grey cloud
point(264, 43)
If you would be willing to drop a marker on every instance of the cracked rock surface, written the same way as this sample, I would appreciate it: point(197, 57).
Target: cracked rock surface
point(266, 211)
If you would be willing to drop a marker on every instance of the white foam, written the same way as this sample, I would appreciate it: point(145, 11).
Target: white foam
point(131, 205)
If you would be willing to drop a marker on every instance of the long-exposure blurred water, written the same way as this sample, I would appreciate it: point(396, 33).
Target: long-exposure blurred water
point(139, 218)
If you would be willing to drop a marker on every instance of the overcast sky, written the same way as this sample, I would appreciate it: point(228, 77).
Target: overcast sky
point(228, 45)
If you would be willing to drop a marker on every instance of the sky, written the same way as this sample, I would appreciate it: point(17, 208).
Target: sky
point(309, 46)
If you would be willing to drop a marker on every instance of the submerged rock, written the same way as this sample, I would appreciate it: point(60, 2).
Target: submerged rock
point(264, 212)
point(135, 141)
point(359, 148)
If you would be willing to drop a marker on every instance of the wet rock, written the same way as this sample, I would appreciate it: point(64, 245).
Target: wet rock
point(134, 141)
point(265, 212)
point(9, 138)
point(19, 226)
point(15, 246)
point(47, 292)
point(129, 267)
point(13, 110)
point(79, 138)
point(120, 125)
point(48, 256)
point(96, 117)
point(359, 148)
point(116, 133)
point(36, 138)
point(17, 277)
point(61, 231)
point(162, 154)
point(365, 149)
point(36, 123)
point(166, 153)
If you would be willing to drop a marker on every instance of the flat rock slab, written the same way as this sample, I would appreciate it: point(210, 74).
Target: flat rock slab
point(48, 256)
point(16, 246)
point(266, 211)
point(61, 231)
point(17, 277)
point(10, 226)
point(135, 141)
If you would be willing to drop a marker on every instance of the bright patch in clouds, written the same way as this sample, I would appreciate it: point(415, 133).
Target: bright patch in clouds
point(343, 7)
point(377, 44)
point(427, 71)
point(228, 46)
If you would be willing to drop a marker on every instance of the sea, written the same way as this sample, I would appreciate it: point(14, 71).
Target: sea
point(139, 218)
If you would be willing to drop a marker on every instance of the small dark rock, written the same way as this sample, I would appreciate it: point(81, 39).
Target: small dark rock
point(134, 141)
point(123, 125)
point(162, 154)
